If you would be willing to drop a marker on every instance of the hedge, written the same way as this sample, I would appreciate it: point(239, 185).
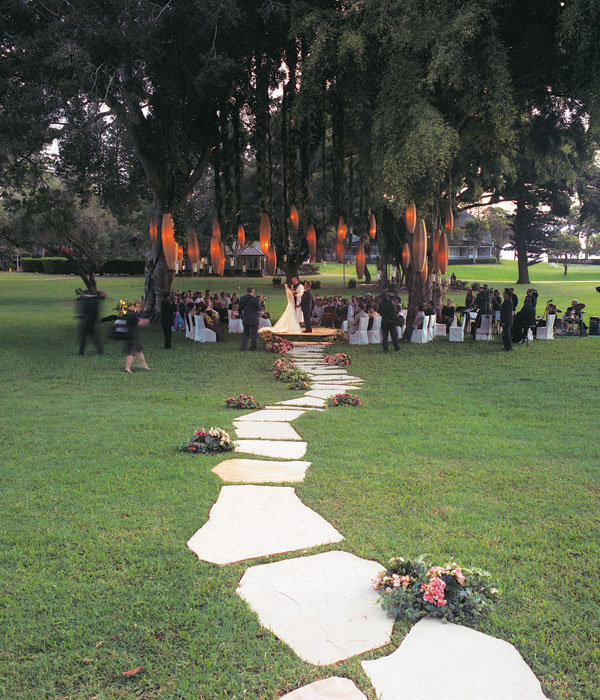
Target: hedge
point(123, 266)
point(49, 266)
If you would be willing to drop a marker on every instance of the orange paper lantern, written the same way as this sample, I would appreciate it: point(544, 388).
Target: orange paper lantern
point(294, 218)
point(264, 232)
point(372, 226)
point(449, 221)
point(311, 237)
point(180, 254)
point(339, 251)
point(153, 231)
point(216, 229)
point(443, 253)
point(272, 260)
point(342, 230)
point(168, 241)
point(193, 249)
point(221, 260)
point(419, 246)
point(435, 249)
point(424, 273)
point(360, 260)
point(410, 217)
point(215, 254)
point(405, 259)
point(241, 236)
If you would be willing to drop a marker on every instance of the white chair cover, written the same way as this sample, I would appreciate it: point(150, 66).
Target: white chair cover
point(189, 328)
point(374, 335)
point(457, 333)
point(484, 332)
point(264, 323)
point(360, 337)
point(546, 332)
point(203, 334)
point(421, 335)
point(440, 329)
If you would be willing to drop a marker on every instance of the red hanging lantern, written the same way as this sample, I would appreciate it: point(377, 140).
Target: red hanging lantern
point(153, 231)
point(311, 237)
point(241, 236)
point(443, 254)
point(424, 273)
point(215, 254)
point(264, 233)
point(372, 226)
point(360, 260)
point(405, 259)
point(193, 249)
point(179, 254)
point(294, 218)
point(221, 260)
point(419, 246)
point(168, 241)
point(410, 217)
point(342, 230)
point(435, 250)
point(216, 229)
point(339, 251)
point(272, 260)
point(449, 220)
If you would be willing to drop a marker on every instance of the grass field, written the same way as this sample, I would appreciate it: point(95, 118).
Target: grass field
point(460, 451)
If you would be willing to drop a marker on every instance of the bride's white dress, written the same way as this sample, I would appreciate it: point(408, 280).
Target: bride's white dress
point(288, 323)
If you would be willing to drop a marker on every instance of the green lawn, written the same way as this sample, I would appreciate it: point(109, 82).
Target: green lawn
point(460, 451)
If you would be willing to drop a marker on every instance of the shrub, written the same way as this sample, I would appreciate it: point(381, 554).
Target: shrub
point(308, 269)
point(341, 359)
point(31, 265)
point(315, 284)
point(280, 346)
point(276, 281)
point(352, 283)
point(57, 266)
point(123, 266)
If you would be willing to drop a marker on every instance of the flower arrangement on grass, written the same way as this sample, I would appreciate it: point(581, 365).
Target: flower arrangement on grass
point(285, 370)
point(411, 589)
point(343, 400)
point(279, 346)
point(244, 401)
point(123, 305)
point(212, 441)
point(341, 359)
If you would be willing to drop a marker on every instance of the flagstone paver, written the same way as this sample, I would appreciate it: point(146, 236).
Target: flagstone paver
point(467, 664)
point(265, 431)
point(323, 623)
point(306, 401)
point(278, 449)
point(260, 471)
point(280, 407)
point(270, 416)
point(256, 521)
point(335, 377)
point(331, 391)
point(329, 689)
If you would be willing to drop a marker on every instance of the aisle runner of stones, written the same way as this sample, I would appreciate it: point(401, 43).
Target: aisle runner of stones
point(294, 598)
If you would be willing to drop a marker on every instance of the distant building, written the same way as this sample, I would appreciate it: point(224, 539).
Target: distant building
point(462, 249)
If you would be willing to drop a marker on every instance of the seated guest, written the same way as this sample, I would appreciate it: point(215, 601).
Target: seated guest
point(372, 313)
point(448, 313)
point(417, 323)
point(329, 314)
point(523, 321)
point(212, 322)
point(354, 323)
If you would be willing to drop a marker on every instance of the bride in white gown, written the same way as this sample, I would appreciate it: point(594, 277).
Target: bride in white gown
point(288, 323)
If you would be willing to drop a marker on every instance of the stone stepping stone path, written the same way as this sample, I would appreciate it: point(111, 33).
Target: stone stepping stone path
point(279, 449)
point(260, 471)
point(466, 664)
point(329, 689)
point(322, 623)
point(325, 393)
point(255, 521)
point(270, 416)
point(307, 401)
point(265, 431)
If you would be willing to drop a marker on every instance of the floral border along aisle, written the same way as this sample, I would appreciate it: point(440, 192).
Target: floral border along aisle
point(213, 441)
point(285, 370)
point(341, 359)
point(244, 401)
point(411, 589)
point(343, 400)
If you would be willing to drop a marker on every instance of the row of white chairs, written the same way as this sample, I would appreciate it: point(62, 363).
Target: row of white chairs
point(196, 330)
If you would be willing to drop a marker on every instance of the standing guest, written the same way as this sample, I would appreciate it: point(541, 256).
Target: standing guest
point(506, 319)
point(469, 299)
point(306, 304)
point(89, 310)
point(133, 349)
point(389, 321)
point(523, 321)
point(514, 298)
point(496, 306)
point(167, 316)
point(448, 313)
point(249, 308)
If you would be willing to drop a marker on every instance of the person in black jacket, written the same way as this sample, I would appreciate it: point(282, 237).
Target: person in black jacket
point(389, 321)
point(250, 308)
point(167, 316)
point(306, 304)
point(89, 310)
point(524, 320)
point(506, 319)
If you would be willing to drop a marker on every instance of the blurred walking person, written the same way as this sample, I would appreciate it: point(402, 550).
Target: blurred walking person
point(89, 311)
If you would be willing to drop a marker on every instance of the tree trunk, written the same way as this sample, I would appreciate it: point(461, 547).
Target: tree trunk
point(417, 293)
point(566, 265)
point(521, 245)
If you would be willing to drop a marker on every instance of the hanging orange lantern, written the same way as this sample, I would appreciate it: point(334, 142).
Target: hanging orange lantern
point(449, 220)
point(215, 254)
point(153, 231)
point(419, 246)
point(180, 254)
point(410, 217)
point(294, 218)
point(435, 250)
point(168, 241)
point(193, 249)
point(372, 226)
point(424, 273)
point(311, 237)
point(342, 230)
point(339, 251)
point(216, 229)
point(360, 260)
point(405, 259)
point(241, 236)
point(264, 233)
point(443, 253)
point(272, 260)
point(221, 269)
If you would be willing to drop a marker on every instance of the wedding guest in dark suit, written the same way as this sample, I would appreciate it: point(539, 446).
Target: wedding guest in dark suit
point(250, 308)
point(389, 321)
point(306, 304)
point(167, 316)
point(506, 319)
point(523, 321)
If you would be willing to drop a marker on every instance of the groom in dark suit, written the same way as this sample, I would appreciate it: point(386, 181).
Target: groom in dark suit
point(249, 308)
point(306, 304)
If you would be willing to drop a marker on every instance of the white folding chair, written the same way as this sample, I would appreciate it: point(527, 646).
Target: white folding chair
point(421, 335)
point(264, 323)
point(457, 333)
point(203, 334)
point(431, 327)
point(546, 332)
point(374, 335)
point(440, 329)
point(360, 337)
point(484, 332)
point(189, 329)
point(234, 325)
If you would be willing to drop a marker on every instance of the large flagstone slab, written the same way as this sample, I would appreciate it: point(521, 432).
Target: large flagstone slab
point(255, 521)
point(467, 664)
point(326, 393)
point(323, 606)
point(304, 401)
point(335, 378)
point(279, 449)
point(266, 431)
point(328, 689)
point(279, 407)
point(269, 416)
point(260, 471)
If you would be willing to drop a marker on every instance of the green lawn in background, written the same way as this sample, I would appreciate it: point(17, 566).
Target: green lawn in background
point(459, 451)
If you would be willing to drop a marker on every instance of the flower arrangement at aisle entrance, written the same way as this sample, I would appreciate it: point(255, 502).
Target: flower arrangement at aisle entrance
point(210, 441)
point(244, 401)
point(123, 305)
point(279, 346)
point(341, 359)
point(410, 589)
point(285, 370)
point(343, 400)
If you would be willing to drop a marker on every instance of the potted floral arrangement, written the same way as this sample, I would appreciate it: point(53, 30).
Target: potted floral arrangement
point(279, 346)
point(285, 370)
point(341, 359)
point(410, 589)
point(244, 401)
point(213, 441)
point(343, 400)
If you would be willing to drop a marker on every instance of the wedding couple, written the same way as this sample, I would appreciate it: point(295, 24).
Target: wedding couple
point(299, 308)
